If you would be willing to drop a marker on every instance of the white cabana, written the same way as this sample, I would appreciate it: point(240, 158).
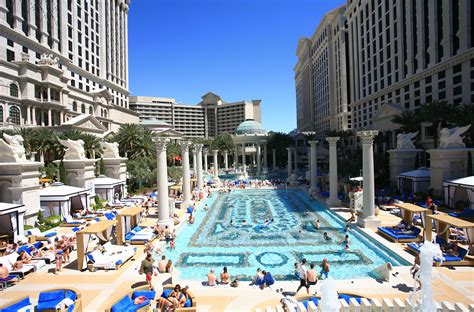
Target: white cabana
point(109, 189)
point(60, 200)
point(414, 181)
point(459, 190)
point(11, 220)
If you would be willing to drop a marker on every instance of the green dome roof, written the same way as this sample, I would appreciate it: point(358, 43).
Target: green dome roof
point(250, 127)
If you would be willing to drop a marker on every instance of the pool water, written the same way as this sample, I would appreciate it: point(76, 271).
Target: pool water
point(212, 242)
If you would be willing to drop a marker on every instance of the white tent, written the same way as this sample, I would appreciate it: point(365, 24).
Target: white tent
point(108, 188)
point(459, 190)
point(414, 181)
point(11, 220)
point(59, 200)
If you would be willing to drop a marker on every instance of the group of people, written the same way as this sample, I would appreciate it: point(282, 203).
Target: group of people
point(177, 298)
point(262, 279)
point(149, 268)
point(310, 277)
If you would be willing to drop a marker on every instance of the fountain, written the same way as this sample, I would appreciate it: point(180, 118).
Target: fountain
point(329, 298)
point(425, 301)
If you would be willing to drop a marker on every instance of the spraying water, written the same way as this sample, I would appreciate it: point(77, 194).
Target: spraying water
point(329, 298)
point(425, 302)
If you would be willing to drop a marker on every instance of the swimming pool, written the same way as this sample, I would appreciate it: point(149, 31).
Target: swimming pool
point(212, 242)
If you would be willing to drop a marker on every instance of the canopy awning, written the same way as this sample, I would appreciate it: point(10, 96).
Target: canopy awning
point(131, 211)
point(106, 182)
point(98, 227)
point(444, 222)
point(420, 173)
point(61, 192)
point(467, 182)
point(411, 207)
point(452, 221)
point(6, 208)
point(102, 229)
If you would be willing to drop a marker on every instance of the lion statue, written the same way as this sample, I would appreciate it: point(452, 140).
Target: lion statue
point(74, 150)
point(110, 150)
point(452, 138)
point(404, 140)
point(12, 149)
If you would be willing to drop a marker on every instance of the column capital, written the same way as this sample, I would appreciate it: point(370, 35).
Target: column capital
point(205, 151)
point(226, 152)
point(289, 149)
point(184, 146)
point(161, 144)
point(198, 148)
point(215, 152)
point(367, 136)
point(313, 142)
point(332, 140)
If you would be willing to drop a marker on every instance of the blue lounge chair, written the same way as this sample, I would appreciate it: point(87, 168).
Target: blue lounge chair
point(48, 300)
point(23, 303)
point(9, 279)
point(467, 213)
point(400, 236)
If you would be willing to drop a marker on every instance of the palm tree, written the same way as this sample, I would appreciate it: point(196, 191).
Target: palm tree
point(408, 120)
point(437, 113)
point(464, 117)
point(91, 145)
point(46, 142)
point(223, 142)
point(129, 137)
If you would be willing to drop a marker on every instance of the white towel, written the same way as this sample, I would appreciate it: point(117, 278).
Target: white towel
point(66, 302)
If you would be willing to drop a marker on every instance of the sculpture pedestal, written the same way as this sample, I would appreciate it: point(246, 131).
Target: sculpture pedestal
point(19, 184)
point(116, 168)
point(447, 164)
point(333, 202)
point(80, 172)
point(370, 222)
point(402, 160)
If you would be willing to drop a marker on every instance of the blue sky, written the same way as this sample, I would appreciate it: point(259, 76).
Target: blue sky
point(239, 49)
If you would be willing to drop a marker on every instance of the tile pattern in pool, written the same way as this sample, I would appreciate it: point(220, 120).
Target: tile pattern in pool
point(212, 242)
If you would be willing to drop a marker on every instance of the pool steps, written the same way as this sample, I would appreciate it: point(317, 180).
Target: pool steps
point(376, 305)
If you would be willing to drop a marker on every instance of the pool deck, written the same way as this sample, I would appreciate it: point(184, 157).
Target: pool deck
point(453, 285)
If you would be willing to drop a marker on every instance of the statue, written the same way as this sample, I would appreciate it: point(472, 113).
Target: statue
point(12, 149)
point(110, 150)
point(48, 59)
point(404, 140)
point(25, 57)
point(74, 150)
point(451, 138)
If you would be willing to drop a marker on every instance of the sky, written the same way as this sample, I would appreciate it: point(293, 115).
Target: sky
point(239, 49)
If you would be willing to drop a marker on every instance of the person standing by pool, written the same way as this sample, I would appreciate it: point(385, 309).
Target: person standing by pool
point(211, 278)
point(162, 264)
point(324, 269)
point(147, 268)
point(169, 266)
point(312, 276)
point(302, 276)
point(318, 224)
point(225, 276)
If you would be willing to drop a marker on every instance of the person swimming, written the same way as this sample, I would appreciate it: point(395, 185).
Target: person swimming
point(231, 222)
point(326, 236)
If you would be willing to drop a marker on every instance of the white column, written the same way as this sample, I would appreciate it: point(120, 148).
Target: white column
point(236, 157)
point(205, 152)
point(162, 181)
point(447, 40)
point(186, 173)
point(216, 163)
point(259, 159)
point(313, 167)
point(61, 118)
point(17, 18)
point(244, 165)
point(198, 148)
point(49, 117)
point(290, 162)
point(54, 22)
point(274, 159)
point(226, 160)
point(296, 159)
point(31, 20)
point(44, 25)
point(195, 162)
point(265, 156)
point(28, 114)
point(368, 216)
point(333, 200)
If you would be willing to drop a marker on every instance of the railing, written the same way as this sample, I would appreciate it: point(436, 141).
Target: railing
point(376, 305)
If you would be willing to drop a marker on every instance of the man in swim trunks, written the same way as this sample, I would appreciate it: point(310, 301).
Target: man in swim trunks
point(211, 278)
point(147, 269)
point(302, 276)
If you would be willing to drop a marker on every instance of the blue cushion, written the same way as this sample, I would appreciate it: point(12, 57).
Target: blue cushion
point(75, 229)
point(51, 295)
point(150, 294)
point(17, 306)
point(122, 304)
point(23, 248)
point(166, 293)
point(70, 308)
point(50, 234)
point(135, 307)
point(348, 298)
point(91, 257)
point(414, 246)
point(71, 295)
point(315, 300)
point(188, 303)
point(395, 233)
point(118, 262)
point(136, 229)
point(48, 305)
point(129, 236)
point(305, 303)
point(37, 244)
point(190, 209)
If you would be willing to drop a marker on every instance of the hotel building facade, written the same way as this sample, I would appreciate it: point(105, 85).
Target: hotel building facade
point(64, 64)
point(210, 117)
point(399, 55)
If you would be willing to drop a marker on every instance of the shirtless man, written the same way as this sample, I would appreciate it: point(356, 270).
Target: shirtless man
point(311, 276)
point(3, 271)
point(162, 265)
point(211, 278)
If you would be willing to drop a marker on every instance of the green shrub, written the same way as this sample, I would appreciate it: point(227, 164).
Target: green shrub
point(40, 217)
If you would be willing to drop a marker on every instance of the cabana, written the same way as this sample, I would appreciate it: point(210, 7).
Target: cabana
point(102, 230)
point(402, 236)
point(414, 181)
point(62, 200)
point(128, 229)
point(459, 190)
point(442, 224)
point(11, 220)
point(109, 189)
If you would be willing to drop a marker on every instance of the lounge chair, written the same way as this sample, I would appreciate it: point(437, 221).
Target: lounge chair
point(447, 259)
point(24, 304)
point(48, 257)
point(192, 308)
point(400, 236)
point(53, 299)
point(9, 279)
point(140, 236)
point(126, 303)
point(112, 257)
point(306, 299)
point(35, 234)
point(70, 222)
point(467, 213)
point(9, 260)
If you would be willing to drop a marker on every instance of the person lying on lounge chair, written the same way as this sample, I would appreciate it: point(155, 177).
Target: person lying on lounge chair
point(401, 225)
point(18, 265)
point(452, 250)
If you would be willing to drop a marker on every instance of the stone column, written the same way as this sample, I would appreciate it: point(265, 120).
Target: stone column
point(226, 160)
point(290, 162)
point(162, 182)
point(195, 162)
point(216, 163)
point(236, 157)
point(313, 167)
point(274, 159)
point(198, 148)
point(259, 159)
point(333, 200)
point(244, 165)
point(49, 118)
point(186, 174)
point(28, 115)
point(205, 152)
point(265, 156)
point(368, 216)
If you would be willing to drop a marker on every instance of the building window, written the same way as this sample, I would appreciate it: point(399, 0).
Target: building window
point(91, 111)
point(83, 109)
point(14, 115)
point(13, 90)
point(74, 106)
point(1, 113)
